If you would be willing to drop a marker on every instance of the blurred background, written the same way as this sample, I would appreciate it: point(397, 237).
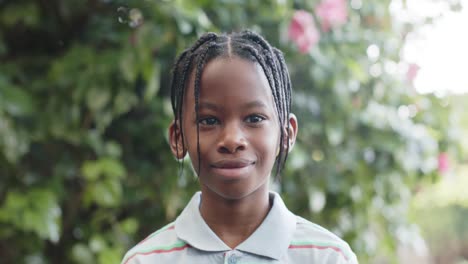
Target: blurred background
point(380, 91)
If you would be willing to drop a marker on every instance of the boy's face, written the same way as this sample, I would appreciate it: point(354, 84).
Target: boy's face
point(239, 131)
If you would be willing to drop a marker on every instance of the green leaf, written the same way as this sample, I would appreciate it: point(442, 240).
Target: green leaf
point(82, 254)
point(15, 100)
point(97, 98)
point(97, 243)
point(153, 79)
point(107, 193)
point(357, 70)
point(110, 256)
point(105, 167)
point(36, 211)
point(129, 225)
point(24, 13)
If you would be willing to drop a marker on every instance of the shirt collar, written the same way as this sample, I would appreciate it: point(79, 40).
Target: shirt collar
point(271, 239)
point(191, 228)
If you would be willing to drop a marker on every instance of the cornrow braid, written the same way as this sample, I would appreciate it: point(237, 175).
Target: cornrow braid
point(287, 90)
point(198, 74)
point(178, 95)
point(286, 79)
point(175, 95)
point(203, 39)
point(246, 45)
point(183, 65)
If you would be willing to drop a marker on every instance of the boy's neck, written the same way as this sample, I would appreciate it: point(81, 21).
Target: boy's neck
point(233, 221)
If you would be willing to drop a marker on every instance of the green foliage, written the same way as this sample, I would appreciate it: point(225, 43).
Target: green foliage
point(36, 211)
point(85, 167)
point(448, 201)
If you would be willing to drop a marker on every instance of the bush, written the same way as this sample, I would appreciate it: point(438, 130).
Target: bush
point(84, 161)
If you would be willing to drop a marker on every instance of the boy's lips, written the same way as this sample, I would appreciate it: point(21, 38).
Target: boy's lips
point(232, 163)
point(232, 168)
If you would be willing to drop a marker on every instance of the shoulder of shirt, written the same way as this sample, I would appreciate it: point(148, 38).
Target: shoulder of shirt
point(160, 241)
point(313, 236)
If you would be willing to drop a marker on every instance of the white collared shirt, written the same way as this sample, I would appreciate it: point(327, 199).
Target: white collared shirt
point(281, 238)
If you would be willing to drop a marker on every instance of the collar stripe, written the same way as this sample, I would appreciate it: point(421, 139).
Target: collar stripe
point(175, 247)
point(298, 245)
point(167, 227)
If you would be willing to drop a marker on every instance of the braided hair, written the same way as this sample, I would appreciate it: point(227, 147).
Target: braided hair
point(246, 45)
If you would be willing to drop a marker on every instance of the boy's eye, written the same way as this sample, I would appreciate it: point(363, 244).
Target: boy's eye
point(208, 121)
point(254, 119)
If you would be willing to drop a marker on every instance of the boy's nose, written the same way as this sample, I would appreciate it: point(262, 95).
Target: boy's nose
point(232, 140)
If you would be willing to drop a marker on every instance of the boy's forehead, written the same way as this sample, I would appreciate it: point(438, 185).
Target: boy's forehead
point(230, 73)
point(231, 83)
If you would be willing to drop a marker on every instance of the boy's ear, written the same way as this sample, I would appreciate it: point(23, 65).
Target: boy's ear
point(291, 132)
point(176, 140)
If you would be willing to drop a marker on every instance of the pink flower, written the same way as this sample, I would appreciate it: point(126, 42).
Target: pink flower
point(412, 72)
point(332, 13)
point(303, 32)
point(444, 163)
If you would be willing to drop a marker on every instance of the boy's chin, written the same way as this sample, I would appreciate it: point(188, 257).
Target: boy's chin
point(233, 194)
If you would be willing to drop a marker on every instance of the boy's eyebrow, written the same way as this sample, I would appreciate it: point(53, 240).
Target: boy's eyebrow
point(211, 106)
point(207, 105)
point(256, 103)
